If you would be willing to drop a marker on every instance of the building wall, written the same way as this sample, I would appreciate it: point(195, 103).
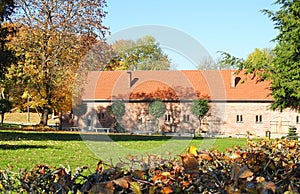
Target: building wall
point(223, 119)
point(257, 118)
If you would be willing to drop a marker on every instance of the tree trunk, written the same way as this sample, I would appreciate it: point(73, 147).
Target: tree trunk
point(199, 125)
point(2, 118)
point(60, 120)
point(44, 118)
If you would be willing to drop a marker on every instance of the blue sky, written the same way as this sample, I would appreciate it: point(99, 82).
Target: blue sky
point(234, 26)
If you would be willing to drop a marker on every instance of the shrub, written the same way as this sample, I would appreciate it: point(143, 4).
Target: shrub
point(264, 166)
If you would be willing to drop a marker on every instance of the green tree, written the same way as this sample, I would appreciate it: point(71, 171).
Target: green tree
point(285, 66)
point(200, 108)
point(282, 65)
point(256, 64)
point(55, 36)
point(157, 108)
point(143, 54)
point(118, 110)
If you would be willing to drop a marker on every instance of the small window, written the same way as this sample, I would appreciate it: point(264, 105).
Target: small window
point(168, 117)
point(186, 118)
point(297, 119)
point(101, 116)
point(239, 118)
point(258, 118)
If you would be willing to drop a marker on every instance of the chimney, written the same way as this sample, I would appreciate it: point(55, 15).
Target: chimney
point(232, 81)
point(129, 78)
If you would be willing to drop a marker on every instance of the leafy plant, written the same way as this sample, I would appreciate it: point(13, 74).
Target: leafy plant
point(200, 108)
point(5, 106)
point(157, 108)
point(263, 166)
point(118, 110)
point(280, 65)
point(292, 133)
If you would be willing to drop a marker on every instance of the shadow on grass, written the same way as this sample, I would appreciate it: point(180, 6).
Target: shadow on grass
point(41, 136)
point(17, 147)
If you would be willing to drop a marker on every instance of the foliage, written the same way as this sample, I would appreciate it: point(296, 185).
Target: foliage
point(209, 63)
point(157, 108)
point(292, 133)
point(281, 65)
point(199, 107)
point(285, 65)
point(54, 36)
point(6, 56)
point(6, 9)
point(257, 63)
point(5, 106)
point(262, 166)
point(142, 54)
point(118, 109)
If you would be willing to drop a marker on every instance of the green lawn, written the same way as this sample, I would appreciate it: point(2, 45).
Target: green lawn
point(21, 149)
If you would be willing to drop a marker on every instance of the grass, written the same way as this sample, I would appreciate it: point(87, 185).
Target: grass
point(25, 149)
point(22, 117)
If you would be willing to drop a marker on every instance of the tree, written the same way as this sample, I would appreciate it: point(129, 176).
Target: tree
point(118, 110)
point(143, 54)
point(282, 66)
point(157, 108)
point(55, 36)
point(6, 56)
point(6, 9)
point(5, 106)
point(285, 66)
point(200, 108)
point(208, 64)
point(256, 64)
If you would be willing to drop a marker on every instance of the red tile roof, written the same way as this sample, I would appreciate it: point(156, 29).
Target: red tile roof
point(173, 85)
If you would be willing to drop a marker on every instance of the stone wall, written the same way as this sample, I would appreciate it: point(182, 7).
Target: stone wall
point(229, 119)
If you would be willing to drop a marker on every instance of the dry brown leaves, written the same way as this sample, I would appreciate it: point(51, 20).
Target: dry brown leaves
point(262, 166)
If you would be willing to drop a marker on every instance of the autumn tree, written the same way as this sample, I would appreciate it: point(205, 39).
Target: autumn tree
point(280, 65)
point(55, 36)
point(6, 55)
point(200, 108)
point(142, 54)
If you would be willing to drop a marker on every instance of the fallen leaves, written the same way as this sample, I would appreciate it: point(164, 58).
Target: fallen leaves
point(263, 166)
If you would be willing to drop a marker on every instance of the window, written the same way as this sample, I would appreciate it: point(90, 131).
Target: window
point(101, 116)
point(258, 118)
point(239, 118)
point(168, 117)
point(186, 118)
point(297, 120)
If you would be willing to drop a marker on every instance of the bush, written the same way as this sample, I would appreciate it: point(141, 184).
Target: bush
point(264, 166)
point(292, 134)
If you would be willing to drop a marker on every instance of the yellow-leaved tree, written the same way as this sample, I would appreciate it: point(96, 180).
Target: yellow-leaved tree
point(52, 39)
